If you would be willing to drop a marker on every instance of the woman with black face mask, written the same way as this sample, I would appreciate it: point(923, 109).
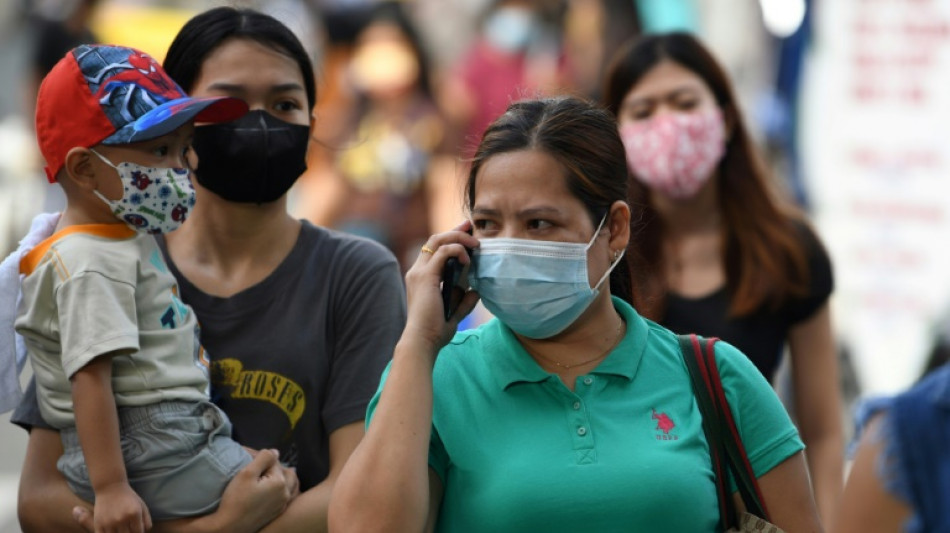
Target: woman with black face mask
point(299, 321)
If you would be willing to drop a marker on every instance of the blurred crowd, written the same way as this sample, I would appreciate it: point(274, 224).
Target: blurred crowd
point(406, 87)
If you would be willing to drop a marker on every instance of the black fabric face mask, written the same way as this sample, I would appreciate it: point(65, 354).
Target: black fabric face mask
point(254, 159)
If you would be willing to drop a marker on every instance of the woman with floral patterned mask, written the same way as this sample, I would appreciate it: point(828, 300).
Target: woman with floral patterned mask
point(721, 253)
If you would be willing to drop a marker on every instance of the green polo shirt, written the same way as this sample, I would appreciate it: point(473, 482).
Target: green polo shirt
point(517, 451)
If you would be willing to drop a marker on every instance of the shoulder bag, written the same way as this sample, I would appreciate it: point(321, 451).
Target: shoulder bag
point(725, 445)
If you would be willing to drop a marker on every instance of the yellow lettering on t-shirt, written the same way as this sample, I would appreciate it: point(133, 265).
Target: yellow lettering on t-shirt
point(262, 385)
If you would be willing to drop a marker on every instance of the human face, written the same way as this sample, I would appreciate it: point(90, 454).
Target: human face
point(384, 64)
point(261, 76)
point(167, 151)
point(666, 88)
point(524, 195)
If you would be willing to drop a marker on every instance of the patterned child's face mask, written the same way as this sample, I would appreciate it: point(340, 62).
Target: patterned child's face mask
point(675, 153)
point(154, 200)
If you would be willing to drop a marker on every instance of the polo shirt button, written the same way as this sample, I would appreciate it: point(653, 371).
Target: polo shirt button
point(588, 380)
point(582, 431)
point(577, 405)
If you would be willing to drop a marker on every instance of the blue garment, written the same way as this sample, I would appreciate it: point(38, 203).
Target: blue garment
point(915, 462)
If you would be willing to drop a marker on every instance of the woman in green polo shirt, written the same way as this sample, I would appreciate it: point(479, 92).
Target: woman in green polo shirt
point(568, 411)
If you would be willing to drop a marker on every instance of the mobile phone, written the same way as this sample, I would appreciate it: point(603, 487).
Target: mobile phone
point(454, 284)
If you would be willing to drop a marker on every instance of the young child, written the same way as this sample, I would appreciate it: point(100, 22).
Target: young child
point(119, 369)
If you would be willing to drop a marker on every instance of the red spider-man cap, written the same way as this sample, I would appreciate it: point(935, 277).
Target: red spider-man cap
point(114, 95)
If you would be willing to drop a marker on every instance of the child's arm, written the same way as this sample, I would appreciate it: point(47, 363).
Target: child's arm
point(118, 507)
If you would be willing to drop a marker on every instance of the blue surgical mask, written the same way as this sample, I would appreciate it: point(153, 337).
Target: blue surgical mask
point(537, 288)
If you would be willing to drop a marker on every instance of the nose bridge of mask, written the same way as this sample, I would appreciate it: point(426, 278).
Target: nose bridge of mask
point(270, 128)
point(530, 247)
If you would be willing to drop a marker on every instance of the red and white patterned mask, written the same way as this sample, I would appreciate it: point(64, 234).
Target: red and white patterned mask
point(675, 153)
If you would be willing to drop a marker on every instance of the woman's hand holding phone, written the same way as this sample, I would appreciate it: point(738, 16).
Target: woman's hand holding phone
point(454, 284)
point(436, 303)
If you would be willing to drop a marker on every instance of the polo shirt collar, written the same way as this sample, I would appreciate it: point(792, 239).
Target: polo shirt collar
point(625, 358)
point(511, 363)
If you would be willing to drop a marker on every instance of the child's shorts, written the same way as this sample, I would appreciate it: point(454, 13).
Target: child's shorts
point(179, 457)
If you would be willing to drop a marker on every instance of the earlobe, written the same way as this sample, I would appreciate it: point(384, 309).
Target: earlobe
point(79, 168)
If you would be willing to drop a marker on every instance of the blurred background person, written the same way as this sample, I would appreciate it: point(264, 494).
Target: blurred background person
point(386, 165)
point(900, 480)
point(58, 27)
point(721, 253)
point(35, 36)
point(516, 54)
point(477, 57)
point(592, 31)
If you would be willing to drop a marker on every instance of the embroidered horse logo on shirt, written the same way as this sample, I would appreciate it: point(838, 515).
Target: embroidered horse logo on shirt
point(664, 423)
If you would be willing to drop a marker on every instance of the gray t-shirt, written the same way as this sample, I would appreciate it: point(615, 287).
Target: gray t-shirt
point(300, 354)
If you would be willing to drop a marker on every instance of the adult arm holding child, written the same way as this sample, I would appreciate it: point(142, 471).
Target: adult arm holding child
point(254, 497)
point(308, 511)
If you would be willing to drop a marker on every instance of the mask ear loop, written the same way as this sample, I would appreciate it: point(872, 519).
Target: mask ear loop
point(96, 191)
point(597, 231)
point(611, 269)
point(104, 160)
point(617, 258)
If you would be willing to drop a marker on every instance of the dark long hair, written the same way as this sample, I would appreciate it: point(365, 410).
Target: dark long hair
point(206, 31)
point(583, 138)
point(764, 257)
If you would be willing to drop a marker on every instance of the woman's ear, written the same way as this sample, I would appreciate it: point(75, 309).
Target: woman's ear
point(80, 169)
point(618, 222)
